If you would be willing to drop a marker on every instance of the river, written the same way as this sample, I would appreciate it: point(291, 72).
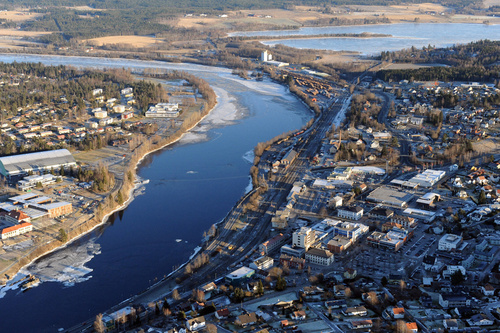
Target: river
point(403, 35)
point(193, 184)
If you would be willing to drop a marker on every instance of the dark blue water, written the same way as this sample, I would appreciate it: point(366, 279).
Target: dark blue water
point(192, 186)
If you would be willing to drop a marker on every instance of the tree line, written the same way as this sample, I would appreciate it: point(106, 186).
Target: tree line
point(476, 61)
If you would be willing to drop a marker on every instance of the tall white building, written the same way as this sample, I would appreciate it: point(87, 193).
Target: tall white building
point(266, 56)
point(303, 238)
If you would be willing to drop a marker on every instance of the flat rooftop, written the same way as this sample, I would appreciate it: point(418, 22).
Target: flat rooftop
point(388, 196)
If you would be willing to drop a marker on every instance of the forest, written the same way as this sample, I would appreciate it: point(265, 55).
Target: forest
point(209, 5)
point(476, 61)
point(130, 17)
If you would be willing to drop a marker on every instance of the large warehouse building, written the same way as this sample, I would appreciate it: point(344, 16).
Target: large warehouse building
point(16, 165)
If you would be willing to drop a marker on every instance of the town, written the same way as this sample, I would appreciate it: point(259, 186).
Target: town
point(388, 223)
point(380, 215)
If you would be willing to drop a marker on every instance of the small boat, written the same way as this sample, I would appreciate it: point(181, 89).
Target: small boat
point(178, 240)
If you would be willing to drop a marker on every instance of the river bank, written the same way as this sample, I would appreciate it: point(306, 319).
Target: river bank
point(101, 216)
point(193, 184)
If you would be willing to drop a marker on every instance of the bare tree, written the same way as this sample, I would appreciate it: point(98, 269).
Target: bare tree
point(98, 324)
point(211, 328)
point(175, 295)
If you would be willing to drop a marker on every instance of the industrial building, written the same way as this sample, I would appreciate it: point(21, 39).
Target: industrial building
point(17, 165)
point(428, 178)
point(390, 197)
point(37, 206)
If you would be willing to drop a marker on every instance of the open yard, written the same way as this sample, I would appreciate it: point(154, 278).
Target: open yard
point(133, 41)
point(17, 16)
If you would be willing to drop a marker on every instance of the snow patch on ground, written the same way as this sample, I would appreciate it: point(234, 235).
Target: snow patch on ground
point(249, 186)
point(339, 118)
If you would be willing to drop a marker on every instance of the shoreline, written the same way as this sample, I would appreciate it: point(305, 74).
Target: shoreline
point(106, 216)
point(248, 34)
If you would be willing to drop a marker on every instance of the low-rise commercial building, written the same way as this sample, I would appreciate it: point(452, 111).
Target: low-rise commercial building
point(390, 197)
point(392, 240)
point(449, 242)
point(240, 275)
point(263, 262)
point(292, 262)
point(319, 257)
point(30, 182)
point(272, 244)
point(163, 110)
point(352, 213)
point(16, 230)
point(338, 244)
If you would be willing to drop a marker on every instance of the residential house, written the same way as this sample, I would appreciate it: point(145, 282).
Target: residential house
point(208, 289)
point(488, 290)
point(355, 311)
point(336, 304)
point(412, 327)
point(298, 315)
point(398, 313)
point(195, 324)
point(361, 324)
point(246, 319)
point(480, 319)
point(222, 314)
point(454, 300)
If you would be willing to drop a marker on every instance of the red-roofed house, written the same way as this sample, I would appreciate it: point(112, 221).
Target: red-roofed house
point(222, 314)
point(488, 290)
point(16, 230)
point(15, 217)
point(398, 313)
point(412, 327)
point(298, 315)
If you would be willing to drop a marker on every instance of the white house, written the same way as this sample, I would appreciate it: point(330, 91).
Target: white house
point(352, 213)
point(195, 324)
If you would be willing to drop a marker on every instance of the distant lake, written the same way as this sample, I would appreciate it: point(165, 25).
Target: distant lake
point(404, 35)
